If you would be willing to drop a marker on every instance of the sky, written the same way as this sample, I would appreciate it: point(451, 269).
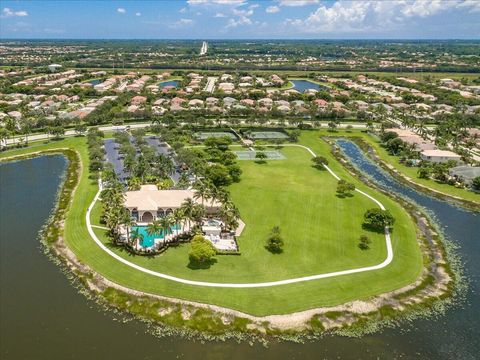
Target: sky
point(241, 19)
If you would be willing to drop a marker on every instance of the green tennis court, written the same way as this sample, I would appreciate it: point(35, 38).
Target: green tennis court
point(250, 155)
point(267, 135)
point(216, 134)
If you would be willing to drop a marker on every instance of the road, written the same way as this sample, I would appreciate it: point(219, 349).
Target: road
point(204, 48)
point(210, 84)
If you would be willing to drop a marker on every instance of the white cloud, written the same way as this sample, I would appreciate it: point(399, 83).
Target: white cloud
point(373, 16)
point(241, 21)
point(298, 3)
point(423, 8)
point(220, 15)
point(138, 14)
point(182, 23)
point(121, 10)
point(216, 2)
point(7, 12)
point(246, 13)
point(342, 16)
point(473, 5)
point(272, 9)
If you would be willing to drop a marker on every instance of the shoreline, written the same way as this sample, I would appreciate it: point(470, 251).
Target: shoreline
point(371, 152)
point(417, 293)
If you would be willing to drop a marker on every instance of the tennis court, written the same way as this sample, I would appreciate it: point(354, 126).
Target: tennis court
point(215, 134)
point(267, 135)
point(250, 155)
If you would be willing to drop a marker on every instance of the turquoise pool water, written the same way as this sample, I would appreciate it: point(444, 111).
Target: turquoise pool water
point(149, 240)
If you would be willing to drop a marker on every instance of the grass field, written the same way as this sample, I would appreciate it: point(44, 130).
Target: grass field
point(321, 234)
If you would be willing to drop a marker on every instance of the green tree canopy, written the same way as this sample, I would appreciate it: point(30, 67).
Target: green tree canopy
point(201, 250)
point(377, 219)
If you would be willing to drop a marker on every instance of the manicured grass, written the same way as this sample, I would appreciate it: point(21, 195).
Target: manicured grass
point(320, 231)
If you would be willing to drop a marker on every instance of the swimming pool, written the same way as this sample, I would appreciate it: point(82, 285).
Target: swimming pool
point(213, 222)
point(149, 240)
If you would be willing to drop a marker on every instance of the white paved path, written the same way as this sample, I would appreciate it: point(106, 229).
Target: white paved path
point(383, 264)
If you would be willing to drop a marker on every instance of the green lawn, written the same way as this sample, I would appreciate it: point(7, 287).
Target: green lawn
point(320, 231)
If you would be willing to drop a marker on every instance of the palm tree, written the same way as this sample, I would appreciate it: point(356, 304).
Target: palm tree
point(154, 228)
point(219, 194)
point(178, 217)
point(4, 135)
point(202, 191)
point(134, 183)
point(26, 128)
point(11, 126)
point(135, 235)
point(422, 130)
point(166, 224)
point(187, 208)
point(127, 221)
point(198, 213)
point(229, 214)
point(113, 219)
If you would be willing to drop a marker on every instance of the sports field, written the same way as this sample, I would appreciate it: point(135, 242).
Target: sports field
point(250, 155)
point(216, 134)
point(264, 135)
point(320, 230)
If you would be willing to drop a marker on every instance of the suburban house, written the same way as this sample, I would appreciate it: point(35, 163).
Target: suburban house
point(149, 203)
point(439, 156)
point(465, 173)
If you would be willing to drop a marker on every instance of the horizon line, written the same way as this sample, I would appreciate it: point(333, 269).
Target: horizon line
point(247, 39)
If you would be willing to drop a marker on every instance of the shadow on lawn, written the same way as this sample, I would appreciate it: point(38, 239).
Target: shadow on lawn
point(196, 265)
point(374, 229)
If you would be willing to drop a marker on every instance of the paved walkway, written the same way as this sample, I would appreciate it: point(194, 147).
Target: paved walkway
point(383, 264)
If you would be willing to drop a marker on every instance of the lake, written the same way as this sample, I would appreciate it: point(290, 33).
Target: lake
point(168, 83)
point(43, 317)
point(303, 85)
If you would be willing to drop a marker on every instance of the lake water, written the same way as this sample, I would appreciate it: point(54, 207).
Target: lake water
point(95, 82)
point(168, 83)
point(43, 317)
point(303, 85)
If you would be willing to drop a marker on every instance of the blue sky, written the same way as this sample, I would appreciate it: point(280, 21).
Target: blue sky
point(240, 19)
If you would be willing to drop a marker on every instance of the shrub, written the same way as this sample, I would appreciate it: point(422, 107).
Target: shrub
point(476, 183)
point(201, 250)
point(319, 161)
point(260, 157)
point(378, 219)
point(364, 242)
point(275, 241)
point(344, 188)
